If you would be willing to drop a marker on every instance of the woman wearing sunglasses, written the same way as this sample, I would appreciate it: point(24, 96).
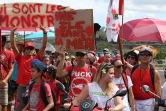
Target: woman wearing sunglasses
point(119, 81)
point(101, 89)
point(131, 60)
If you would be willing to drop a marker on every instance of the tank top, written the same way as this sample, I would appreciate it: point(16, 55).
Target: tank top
point(144, 76)
point(96, 94)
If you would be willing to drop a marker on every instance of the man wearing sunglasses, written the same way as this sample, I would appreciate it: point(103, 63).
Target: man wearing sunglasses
point(24, 60)
point(106, 56)
point(142, 75)
point(80, 75)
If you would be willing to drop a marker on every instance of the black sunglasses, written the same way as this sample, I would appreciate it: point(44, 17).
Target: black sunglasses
point(143, 54)
point(119, 66)
point(80, 54)
point(130, 57)
point(29, 48)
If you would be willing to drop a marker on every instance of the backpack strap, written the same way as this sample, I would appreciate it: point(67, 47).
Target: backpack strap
point(31, 86)
point(152, 74)
point(91, 72)
point(133, 69)
point(44, 98)
point(43, 93)
point(124, 76)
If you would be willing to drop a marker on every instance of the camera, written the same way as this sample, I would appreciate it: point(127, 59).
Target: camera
point(161, 102)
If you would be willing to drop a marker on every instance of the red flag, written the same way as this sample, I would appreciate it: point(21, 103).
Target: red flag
point(121, 2)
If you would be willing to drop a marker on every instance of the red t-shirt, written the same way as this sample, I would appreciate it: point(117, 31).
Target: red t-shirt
point(57, 92)
point(79, 78)
point(24, 68)
point(101, 59)
point(36, 103)
point(9, 58)
point(3, 72)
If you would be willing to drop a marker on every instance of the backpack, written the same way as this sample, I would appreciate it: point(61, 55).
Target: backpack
point(43, 94)
point(152, 73)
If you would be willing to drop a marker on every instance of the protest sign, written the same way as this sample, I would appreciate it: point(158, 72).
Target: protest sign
point(25, 15)
point(74, 30)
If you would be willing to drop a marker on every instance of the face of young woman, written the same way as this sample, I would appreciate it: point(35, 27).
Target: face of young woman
point(109, 75)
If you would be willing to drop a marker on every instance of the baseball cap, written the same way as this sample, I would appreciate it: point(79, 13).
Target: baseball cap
point(105, 50)
point(29, 44)
point(20, 43)
point(80, 52)
point(51, 69)
point(92, 52)
point(146, 49)
point(38, 64)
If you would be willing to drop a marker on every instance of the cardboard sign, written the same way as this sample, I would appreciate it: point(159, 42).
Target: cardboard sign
point(25, 15)
point(74, 30)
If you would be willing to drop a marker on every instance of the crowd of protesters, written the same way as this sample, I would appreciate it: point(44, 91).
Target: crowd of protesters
point(82, 74)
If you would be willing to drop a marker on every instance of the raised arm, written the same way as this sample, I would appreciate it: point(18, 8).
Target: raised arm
point(60, 70)
point(13, 42)
point(44, 42)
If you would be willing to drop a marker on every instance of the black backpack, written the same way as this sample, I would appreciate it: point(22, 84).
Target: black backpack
point(151, 72)
point(43, 94)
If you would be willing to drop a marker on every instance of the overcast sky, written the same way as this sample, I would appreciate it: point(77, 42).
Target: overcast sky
point(133, 8)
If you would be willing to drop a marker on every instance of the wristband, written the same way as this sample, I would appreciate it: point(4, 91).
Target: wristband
point(44, 32)
point(156, 108)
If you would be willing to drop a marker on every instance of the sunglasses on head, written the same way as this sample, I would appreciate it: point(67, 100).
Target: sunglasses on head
point(145, 54)
point(80, 54)
point(29, 48)
point(107, 64)
point(130, 57)
point(119, 66)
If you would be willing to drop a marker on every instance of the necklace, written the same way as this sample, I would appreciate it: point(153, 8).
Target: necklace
point(141, 77)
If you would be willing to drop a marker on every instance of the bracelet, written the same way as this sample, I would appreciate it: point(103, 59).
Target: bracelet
point(156, 108)
point(44, 32)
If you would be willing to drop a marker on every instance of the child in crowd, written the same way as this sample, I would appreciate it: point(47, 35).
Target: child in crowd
point(51, 77)
point(35, 101)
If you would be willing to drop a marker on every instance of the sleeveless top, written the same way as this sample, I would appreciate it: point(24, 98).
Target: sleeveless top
point(144, 76)
point(96, 94)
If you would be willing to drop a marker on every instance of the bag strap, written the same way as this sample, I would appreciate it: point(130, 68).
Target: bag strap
point(31, 86)
point(152, 74)
point(91, 72)
point(124, 76)
point(43, 93)
point(133, 69)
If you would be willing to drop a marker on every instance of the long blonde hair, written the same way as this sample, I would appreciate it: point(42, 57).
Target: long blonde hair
point(104, 68)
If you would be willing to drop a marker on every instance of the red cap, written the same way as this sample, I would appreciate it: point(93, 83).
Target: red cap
point(20, 43)
point(93, 52)
point(29, 44)
point(118, 56)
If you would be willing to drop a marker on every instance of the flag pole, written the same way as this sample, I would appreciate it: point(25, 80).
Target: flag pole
point(119, 40)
